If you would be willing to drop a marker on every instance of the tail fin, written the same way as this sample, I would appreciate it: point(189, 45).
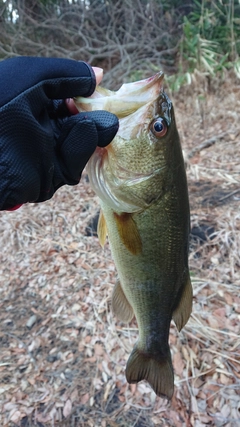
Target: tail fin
point(158, 372)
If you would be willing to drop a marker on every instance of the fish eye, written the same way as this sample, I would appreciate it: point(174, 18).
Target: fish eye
point(159, 127)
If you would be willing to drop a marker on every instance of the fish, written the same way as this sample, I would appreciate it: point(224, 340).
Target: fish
point(141, 181)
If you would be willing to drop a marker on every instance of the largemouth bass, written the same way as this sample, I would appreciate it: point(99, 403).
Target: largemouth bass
point(141, 181)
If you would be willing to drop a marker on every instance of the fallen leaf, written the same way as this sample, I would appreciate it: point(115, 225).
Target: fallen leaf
point(99, 350)
point(67, 408)
point(84, 399)
point(16, 416)
point(178, 363)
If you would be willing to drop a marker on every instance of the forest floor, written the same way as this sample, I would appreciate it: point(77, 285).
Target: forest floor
point(63, 354)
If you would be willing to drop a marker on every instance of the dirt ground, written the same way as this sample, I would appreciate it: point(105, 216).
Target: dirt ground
point(63, 354)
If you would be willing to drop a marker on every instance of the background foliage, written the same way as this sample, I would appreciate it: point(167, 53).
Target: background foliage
point(125, 36)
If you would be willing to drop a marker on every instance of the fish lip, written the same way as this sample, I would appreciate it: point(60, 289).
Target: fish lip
point(120, 102)
point(149, 81)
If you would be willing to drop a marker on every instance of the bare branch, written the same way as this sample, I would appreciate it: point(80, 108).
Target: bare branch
point(119, 36)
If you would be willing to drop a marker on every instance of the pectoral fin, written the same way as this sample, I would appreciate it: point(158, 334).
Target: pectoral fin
point(120, 305)
point(128, 232)
point(183, 311)
point(102, 229)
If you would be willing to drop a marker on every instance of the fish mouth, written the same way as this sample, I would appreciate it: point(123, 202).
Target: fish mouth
point(110, 182)
point(121, 102)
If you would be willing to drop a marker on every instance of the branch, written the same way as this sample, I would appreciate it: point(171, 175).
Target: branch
point(209, 142)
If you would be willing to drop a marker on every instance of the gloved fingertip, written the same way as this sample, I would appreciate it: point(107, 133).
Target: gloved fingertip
point(107, 135)
point(107, 125)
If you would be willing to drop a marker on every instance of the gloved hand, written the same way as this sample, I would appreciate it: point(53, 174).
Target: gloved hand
point(43, 146)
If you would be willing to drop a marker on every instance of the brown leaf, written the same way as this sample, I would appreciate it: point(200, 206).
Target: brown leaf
point(74, 395)
point(228, 298)
point(178, 363)
point(98, 348)
point(84, 399)
point(16, 416)
point(221, 312)
point(91, 359)
point(67, 408)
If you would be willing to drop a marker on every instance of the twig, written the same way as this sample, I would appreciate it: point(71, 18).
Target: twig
point(229, 195)
point(208, 143)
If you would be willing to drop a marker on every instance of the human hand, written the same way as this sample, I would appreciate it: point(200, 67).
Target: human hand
point(42, 145)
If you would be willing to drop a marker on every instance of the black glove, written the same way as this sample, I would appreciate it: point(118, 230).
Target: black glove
point(42, 146)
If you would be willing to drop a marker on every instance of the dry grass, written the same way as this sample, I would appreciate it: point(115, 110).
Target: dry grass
point(63, 355)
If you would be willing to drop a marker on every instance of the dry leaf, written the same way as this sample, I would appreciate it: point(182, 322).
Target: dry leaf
point(178, 363)
point(67, 409)
point(99, 350)
point(84, 399)
point(15, 416)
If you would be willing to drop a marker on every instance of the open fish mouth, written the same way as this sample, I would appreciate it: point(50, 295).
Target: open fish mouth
point(128, 99)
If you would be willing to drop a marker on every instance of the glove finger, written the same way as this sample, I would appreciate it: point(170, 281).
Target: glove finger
point(107, 125)
point(79, 138)
point(62, 78)
point(57, 109)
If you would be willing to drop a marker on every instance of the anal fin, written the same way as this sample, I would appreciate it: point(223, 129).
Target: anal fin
point(120, 305)
point(183, 311)
point(128, 232)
